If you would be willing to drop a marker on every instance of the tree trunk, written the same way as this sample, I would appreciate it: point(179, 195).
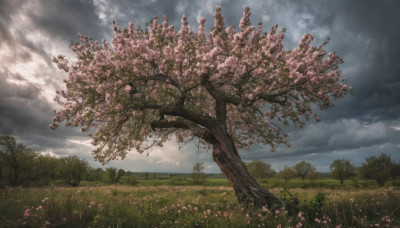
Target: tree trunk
point(247, 190)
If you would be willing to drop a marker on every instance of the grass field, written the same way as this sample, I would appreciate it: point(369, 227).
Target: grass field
point(193, 206)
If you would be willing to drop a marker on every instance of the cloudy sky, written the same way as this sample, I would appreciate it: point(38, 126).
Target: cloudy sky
point(364, 32)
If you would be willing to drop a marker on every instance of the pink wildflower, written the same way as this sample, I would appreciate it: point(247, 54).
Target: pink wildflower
point(26, 213)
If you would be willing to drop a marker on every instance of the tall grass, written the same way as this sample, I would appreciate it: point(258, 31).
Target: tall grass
point(193, 206)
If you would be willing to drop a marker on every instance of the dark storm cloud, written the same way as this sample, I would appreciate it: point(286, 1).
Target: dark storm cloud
point(4, 35)
point(64, 19)
point(364, 33)
point(26, 115)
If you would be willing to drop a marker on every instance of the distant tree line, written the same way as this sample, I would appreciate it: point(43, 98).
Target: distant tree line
point(21, 166)
point(379, 168)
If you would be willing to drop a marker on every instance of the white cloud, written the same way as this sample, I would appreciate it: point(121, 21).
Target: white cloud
point(108, 11)
point(397, 128)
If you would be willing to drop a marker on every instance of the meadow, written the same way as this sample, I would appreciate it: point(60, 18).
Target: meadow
point(165, 203)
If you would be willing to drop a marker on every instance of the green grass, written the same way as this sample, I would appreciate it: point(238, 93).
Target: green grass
point(192, 206)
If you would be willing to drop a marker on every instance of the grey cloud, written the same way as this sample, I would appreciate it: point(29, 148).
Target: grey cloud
point(25, 114)
point(324, 138)
point(64, 19)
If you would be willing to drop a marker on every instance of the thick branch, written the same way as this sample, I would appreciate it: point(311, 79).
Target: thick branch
point(220, 110)
point(200, 132)
point(164, 78)
point(180, 111)
point(235, 100)
point(222, 96)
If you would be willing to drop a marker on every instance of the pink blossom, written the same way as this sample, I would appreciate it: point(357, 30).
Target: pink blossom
point(26, 213)
point(128, 88)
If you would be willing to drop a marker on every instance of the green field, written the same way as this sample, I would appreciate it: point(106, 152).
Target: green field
point(160, 179)
point(158, 203)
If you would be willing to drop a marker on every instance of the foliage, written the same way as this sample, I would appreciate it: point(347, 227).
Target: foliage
point(259, 169)
point(380, 168)
point(130, 180)
point(198, 175)
point(72, 169)
point(16, 157)
point(287, 173)
point(303, 169)
point(94, 174)
point(313, 175)
point(342, 170)
point(43, 169)
point(111, 175)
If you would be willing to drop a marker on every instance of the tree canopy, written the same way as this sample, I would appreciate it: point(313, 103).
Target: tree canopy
point(259, 169)
point(186, 82)
point(15, 156)
point(342, 169)
point(380, 168)
point(303, 169)
point(197, 174)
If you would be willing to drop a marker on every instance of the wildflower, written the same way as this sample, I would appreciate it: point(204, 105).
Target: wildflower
point(39, 208)
point(301, 216)
point(45, 199)
point(26, 213)
point(47, 223)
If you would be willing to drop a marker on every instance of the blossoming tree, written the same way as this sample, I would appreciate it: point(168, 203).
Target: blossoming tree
point(228, 88)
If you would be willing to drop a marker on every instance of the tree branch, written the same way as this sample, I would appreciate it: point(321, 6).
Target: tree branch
point(196, 130)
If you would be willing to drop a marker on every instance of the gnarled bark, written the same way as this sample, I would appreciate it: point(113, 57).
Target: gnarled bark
point(247, 190)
